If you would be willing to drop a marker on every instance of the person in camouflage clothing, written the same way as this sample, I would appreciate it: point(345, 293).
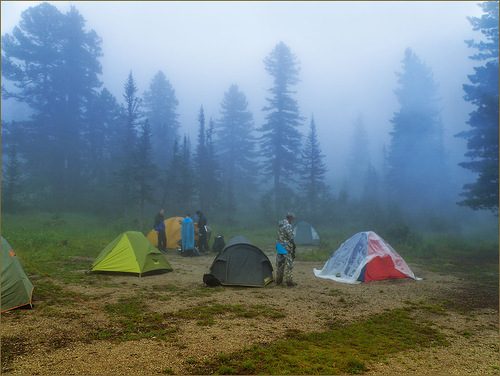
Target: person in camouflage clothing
point(285, 251)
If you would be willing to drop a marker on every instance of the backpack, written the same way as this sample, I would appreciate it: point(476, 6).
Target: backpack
point(219, 244)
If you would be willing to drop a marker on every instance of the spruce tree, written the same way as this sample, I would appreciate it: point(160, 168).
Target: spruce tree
point(417, 168)
point(186, 177)
point(358, 160)
point(482, 138)
point(160, 104)
point(312, 172)
point(236, 150)
point(129, 142)
point(12, 175)
point(144, 170)
point(280, 139)
point(201, 162)
point(52, 61)
point(213, 185)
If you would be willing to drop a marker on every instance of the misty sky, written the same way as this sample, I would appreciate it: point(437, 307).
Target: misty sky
point(348, 52)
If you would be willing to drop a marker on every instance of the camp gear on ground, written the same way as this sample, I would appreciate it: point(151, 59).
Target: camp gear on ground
point(187, 234)
point(130, 252)
point(364, 257)
point(219, 243)
point(241, 264)
point(305, 234)
point(17, 289)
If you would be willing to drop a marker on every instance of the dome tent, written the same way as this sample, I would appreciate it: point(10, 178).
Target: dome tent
point(240, 264)
point(364, 257)
point(130, 252)
point(305, 234)
point(17, 289)
point(172, 232)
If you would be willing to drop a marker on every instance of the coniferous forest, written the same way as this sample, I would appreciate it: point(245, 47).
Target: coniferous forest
point(249, 188)
point(78, 147)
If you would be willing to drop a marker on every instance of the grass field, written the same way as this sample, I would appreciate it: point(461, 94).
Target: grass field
point(319, 328)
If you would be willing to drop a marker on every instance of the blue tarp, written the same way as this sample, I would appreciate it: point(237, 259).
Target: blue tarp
point(187, 234)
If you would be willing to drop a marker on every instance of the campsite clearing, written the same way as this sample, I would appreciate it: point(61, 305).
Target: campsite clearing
point(172, 324)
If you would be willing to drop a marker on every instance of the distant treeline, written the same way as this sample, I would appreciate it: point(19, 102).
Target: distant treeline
point(84, 149)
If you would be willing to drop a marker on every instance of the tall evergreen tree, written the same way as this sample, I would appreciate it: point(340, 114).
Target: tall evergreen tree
point(129, 142)
point(212, 182)
point(236, 150)
point(172, 195)
point(482, 139)
point(144, 170)
point(160, 104)
point(280, 139)
point(101, 137)
point(358, 160)
point(201, 162)
point(186, 177)
point(312, 171)
point(12, 175)
point(53, 63)
point(417, 167)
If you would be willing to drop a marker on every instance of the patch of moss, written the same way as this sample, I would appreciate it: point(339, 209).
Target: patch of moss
point(345, 349)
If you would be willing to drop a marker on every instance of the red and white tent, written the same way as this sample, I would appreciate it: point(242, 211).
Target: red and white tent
point(365, 257)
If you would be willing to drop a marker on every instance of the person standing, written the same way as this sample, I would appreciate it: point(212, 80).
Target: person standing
point(285, 248)
point(202, 232)
point(159, 227)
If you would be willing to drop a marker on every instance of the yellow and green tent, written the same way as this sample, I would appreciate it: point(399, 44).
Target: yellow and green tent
point(17, 289)
point(130, 252)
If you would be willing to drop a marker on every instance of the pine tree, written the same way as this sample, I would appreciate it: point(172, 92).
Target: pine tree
point(236, 150)
point(359, 159)
point(144, 170)
point(186, 178)
point(213, 185)
point(482, 139)
point(53, 62)
point(280, 140)
point(201, 162)
point(313, 170)
point(173, 195)
point(160, 103)
point(12, 175)
point(417, 168)
point(129, 142)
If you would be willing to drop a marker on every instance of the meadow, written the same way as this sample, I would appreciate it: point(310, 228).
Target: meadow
point(173, 324)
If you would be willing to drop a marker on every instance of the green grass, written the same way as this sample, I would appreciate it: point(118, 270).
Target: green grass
point(343, 349)
point(59, 246)
point(131, 319)
point(205, 314)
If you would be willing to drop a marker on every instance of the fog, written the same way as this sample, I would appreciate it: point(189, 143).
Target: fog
point(349, 53)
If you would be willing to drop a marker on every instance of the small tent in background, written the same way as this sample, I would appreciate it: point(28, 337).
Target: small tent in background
point(364, 257)
point(305, 234)
point(130, 252)
point(17, 289)
point(173, 230)
point(240, 264)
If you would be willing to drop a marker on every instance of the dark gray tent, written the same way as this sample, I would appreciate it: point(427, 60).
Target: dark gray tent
point(240, 264)
point(305, 234)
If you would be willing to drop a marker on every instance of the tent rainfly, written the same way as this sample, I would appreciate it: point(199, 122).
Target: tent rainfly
point(240, 264)
point(305, 234)
point(365, 257)
point(130, 252)
point(173, 231)
point(17, 289)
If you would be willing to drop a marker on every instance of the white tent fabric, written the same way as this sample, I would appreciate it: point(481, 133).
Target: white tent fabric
point(349, 260)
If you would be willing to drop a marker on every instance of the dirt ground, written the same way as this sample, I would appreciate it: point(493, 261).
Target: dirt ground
point(55, 341)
